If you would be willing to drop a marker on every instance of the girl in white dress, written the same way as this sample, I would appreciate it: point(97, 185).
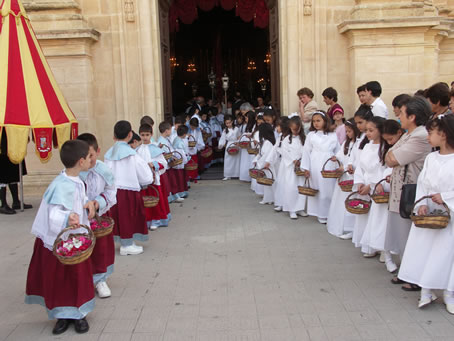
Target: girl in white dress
point(255, 142)
point(230, 136)
point(340, 221)
point(370, 171)
point(428, 260)
point(276, 158)
point(362, 116)
point(292, 147)
point(245, 157)
point(321, 144)
point(267, 141)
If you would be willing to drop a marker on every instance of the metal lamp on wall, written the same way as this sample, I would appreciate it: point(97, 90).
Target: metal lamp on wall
point(212, 82)
point(225, 86)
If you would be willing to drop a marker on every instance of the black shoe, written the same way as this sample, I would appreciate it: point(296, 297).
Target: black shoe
point(61, 326)
point(81, 326)
point(7, 210)
point(16, 206)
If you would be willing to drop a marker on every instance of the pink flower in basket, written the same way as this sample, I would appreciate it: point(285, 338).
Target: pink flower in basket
point(357, 204)
point(73, 246)
point(346, 182)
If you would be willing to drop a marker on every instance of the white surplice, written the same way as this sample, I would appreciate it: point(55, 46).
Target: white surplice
point(245, 161)
point(428, 260)
point(318, 148)
point(340, 220)
point(231, 162)
point(260, 161)
point(286, 194)
point(369, 171)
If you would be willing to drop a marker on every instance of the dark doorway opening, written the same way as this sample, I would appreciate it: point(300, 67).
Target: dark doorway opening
point(221, 42)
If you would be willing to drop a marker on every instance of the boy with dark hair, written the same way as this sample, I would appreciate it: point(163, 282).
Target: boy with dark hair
point(181, 147)
point(66, 291)
point(438, 97)
point(131, 173)
point(179, 120)
point(361, 92)
point(101, 189)
point(373, 99)
point(159, 215)
point(135, 141)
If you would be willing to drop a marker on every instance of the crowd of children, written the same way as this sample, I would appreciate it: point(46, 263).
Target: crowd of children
point(303, 173)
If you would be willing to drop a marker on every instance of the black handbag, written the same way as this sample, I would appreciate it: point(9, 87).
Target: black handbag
point(407, 198)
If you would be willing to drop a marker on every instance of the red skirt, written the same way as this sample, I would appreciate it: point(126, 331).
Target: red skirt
point(181, 180)
point(173, 181)
point(129, 217)
point(193, 174)
point(67, 291)
point(103, 257)
point(160, 211)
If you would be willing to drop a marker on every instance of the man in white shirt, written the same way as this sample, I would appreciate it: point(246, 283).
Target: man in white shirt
point(373, 99)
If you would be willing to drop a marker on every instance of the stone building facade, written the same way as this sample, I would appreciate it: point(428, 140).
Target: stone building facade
point(106, 55)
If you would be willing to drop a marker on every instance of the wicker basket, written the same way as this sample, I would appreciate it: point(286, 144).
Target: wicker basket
point(233, 149)
point(207, 152)
point(255, 173)
point(297, 169)
point(83, 255)
point(356, 209)
point(430, 221)
point(307, 190)
point(244, 144)
point(167, 151)
point(331, 174)
point(191, 143)
point(253, 150)
point(263, 180)
point(191, 166)
point(345, 185)
point(101, 232)
point(150, 201)
point(175, 161)
point(382, 198)
point(206, 134)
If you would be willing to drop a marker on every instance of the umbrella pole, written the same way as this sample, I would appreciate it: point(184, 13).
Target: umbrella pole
point(21, 188)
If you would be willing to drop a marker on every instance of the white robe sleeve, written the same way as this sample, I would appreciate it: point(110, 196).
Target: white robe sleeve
point(421, 189)
point(58, 218)
point(306, 157)
point(200, 144)
point(222, 140)
point(144, 173)
point(358, 177)
point(107, 198)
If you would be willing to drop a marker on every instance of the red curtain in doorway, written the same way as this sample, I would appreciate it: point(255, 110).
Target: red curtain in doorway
point(248, 10)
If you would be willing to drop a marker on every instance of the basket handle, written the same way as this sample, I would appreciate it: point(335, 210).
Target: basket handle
point(156, 191)
point(177, 152)
point(338, 162)
point(429, 197)
point(244, 135)
point(339, 180)
point(298, 163)
point(354, 193)
point(166, 146)
point(189, 136)
point(267, 169)
point(378, 183)
point(307, 182)
point(205, 128)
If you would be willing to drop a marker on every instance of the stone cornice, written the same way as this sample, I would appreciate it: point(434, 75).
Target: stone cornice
point(83, 33)
point(441, 23)
point(33, 5)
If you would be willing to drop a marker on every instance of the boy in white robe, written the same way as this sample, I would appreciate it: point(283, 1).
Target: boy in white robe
point(100, 184)
point(66, 291)
point(131, 173)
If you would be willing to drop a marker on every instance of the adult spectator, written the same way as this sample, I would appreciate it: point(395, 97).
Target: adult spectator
point(406, 158)
point(330, 99)
point(373, 99)
point(307, 107)
point(362, 94)
point(398, 102)
point(237, 101)
point(438, 96)
point(260, 103)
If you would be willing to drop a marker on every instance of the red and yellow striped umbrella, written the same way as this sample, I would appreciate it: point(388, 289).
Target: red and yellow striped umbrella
point(29, 95)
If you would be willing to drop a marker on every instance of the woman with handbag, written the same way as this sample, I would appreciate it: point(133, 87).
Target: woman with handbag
point(406, 158)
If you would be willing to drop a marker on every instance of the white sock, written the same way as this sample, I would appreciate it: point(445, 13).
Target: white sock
point(448, 296)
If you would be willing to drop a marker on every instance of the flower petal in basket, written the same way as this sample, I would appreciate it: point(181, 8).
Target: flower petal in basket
point(102, 226)
point(357, 205)
point(345, 185)
point(380, 198)
point(263, 180)
point(73, 247)
point(335, 173)
point(439, 220)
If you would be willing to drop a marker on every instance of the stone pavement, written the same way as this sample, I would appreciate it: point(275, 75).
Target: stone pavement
point(228, 268)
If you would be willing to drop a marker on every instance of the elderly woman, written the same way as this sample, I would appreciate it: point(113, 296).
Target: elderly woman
point(307, 107)
point(406, 158)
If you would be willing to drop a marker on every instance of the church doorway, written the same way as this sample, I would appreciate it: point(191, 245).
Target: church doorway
point(214, 41)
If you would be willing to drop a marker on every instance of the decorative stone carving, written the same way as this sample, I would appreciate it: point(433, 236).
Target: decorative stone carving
point(307, 9)
point(129, 11)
